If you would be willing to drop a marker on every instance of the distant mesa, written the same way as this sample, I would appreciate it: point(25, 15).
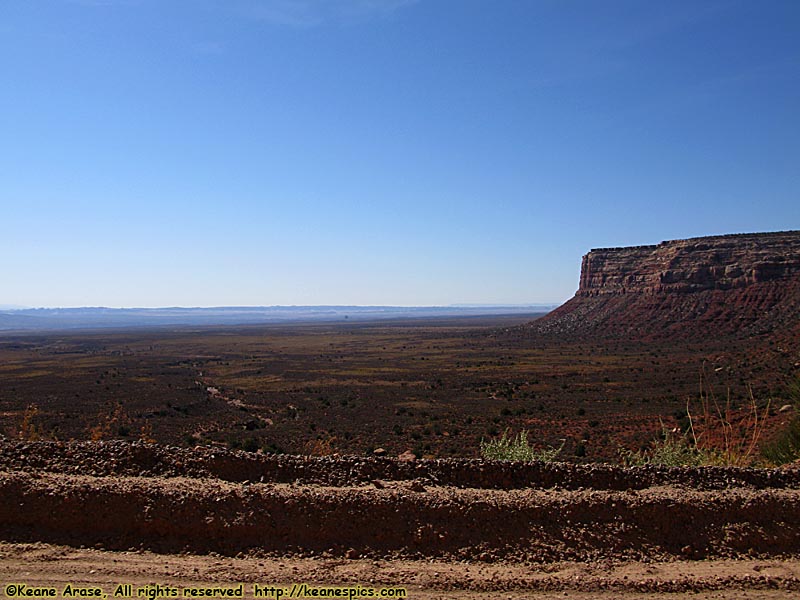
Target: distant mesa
point(742, 283)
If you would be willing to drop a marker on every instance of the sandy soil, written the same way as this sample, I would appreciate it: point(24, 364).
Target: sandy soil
point(44, 565)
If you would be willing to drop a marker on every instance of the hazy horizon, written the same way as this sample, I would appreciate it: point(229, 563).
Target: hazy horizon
point(380, 152)
point(76, 318)
point(14, 307)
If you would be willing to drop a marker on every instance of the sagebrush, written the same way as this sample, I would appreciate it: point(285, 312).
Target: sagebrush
point(517, 448)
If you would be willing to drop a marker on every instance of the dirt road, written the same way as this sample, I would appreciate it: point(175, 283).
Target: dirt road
point(49, 565)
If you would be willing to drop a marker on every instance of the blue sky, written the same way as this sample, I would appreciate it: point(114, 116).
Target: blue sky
point(406, 152)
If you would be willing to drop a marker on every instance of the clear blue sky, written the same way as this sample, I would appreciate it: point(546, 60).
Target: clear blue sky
point(258, 152)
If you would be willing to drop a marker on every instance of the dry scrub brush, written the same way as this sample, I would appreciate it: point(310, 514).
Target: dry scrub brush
point(114, 423)
point(717, 434)
point(672, 449)
point(785, 446)
point(727, 436)
point(517, 449)
point(29, 429)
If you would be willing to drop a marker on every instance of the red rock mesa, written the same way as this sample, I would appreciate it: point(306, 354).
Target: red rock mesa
point(744, 284)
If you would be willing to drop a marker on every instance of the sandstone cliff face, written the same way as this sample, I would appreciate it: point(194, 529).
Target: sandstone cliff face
point(708, 263)
point(745, 284)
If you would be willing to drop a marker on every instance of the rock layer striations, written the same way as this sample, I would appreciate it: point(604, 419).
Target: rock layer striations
point(748, 283)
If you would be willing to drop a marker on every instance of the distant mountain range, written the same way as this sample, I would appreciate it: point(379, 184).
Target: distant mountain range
point(41, 319)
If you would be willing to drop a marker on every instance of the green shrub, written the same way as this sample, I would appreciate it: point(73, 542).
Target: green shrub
point(785, 447)
point(672, 449)
point(250, 445)
point(516, 448)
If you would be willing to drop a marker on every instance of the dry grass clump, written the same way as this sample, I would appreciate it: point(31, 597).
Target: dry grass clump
point(718, 434)
point(724, 439)
point(320, 447)
point(672, 449)
point(29, 429)
point(517, 449)
point(115, 423)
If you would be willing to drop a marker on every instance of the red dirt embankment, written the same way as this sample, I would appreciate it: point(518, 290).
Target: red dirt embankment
point(120, 495)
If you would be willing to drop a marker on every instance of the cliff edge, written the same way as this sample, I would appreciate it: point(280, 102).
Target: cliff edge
point(742, 283)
